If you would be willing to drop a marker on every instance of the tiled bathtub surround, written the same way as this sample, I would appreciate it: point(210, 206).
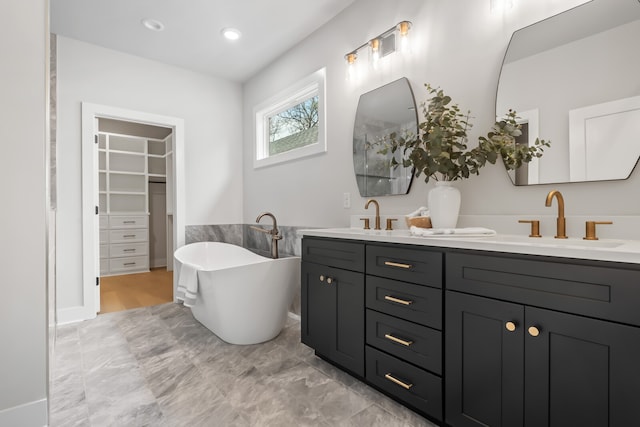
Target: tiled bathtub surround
point(243, 235)
point(158, 366)
point(227, 233)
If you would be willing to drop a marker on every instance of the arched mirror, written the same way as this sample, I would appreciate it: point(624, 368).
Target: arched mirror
point(574, 79)
point(381, 112)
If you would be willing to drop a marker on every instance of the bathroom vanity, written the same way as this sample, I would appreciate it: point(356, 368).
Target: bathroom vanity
point(479, 331)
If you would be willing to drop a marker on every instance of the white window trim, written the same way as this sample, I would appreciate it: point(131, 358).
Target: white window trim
point(293, 95)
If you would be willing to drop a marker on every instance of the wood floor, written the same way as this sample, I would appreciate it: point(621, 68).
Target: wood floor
point(129, 291)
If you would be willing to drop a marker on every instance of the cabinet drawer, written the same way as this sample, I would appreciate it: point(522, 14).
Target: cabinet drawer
point(104, 236)
point(121, 236)
point(417, 344)
point(129, 264)
point(347, 255)
point(419, 304)
point(599, 291)
point(104, 221)
point(104, 266)
point(128, 249)
point(104, 251)
point(128, 221)
point(419, 266)
point(412, 385)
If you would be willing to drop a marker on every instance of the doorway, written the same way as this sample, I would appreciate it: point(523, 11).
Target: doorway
point(96, 192)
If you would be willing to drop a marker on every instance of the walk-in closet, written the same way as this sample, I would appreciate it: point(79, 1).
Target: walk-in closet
point(135, 194)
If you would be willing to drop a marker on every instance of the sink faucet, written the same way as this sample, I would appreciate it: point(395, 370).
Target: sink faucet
point(375, 202)
point(274, 233)
point(561, 221)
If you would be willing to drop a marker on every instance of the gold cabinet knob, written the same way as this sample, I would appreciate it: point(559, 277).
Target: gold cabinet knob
point(329, 280)
point(510, 326)
point(534, 331)
point(590, 229)
point(321, 278)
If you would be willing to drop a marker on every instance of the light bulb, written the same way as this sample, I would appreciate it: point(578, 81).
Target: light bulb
point(351, 65)
point(374, 58)
point(403, 31)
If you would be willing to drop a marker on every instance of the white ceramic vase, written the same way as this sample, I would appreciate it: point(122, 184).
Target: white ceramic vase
point(444, 205)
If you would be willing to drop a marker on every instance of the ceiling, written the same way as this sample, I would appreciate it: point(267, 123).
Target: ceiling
point(191, 38)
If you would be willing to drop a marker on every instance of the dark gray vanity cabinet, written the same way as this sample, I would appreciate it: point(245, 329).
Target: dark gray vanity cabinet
point(541, 342)
point(333, 301)
point(391, 334)
point(404, 325)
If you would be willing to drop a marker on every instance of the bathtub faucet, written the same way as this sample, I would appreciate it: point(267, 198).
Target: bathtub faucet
point(274, 232)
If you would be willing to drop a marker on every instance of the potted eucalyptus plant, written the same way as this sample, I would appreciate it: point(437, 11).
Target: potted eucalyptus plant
point(440, 151)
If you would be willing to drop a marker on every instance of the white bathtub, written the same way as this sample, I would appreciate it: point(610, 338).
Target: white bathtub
point(242, 297)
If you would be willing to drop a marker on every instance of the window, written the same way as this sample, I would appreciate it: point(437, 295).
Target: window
point(291, 124)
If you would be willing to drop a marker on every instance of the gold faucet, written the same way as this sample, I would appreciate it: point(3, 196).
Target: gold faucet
point(561, 221)
point(377, 227)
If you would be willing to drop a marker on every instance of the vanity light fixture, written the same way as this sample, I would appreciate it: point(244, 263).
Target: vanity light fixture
point(381, 46)
point(152, 24)
point(351, 65)
point(374, 52)
point(230, 33)
point(403, 33)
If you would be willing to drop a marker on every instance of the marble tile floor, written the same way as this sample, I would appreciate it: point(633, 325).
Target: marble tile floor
point(157, 366)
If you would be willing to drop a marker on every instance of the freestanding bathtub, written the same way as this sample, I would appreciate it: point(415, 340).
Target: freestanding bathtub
point(241, 297)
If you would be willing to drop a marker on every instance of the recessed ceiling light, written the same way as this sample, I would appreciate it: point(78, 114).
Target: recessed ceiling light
point(152, 24)
point(230, 33)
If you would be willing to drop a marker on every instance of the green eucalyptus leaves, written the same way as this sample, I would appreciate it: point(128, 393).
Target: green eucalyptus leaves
point(440, 151)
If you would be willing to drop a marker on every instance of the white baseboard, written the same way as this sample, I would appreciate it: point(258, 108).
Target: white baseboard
point(32, 414)
point(159, 262)
point(73, 314)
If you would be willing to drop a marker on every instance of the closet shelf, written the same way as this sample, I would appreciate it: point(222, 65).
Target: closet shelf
point(116, 172)
point(130, 193)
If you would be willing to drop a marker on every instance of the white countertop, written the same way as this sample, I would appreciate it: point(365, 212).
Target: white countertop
point(627, 251)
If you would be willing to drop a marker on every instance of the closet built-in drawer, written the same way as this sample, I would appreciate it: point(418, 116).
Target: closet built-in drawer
point(104, 251)
point(129, 264)
point(128, 221)
point(104, 221)
point(340, 254)
point(418, 265)
point(104, 266)
point(418, 388)
point(104, 236)
point(122, 236)
point(128, 249)
point(419, 304)
point(413, 343)
point(609, 291)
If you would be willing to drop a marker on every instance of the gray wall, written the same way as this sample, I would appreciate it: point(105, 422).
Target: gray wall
point(23, 321)
point(458, 45)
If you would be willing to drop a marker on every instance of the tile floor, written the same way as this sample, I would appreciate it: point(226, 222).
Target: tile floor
point(157, 366)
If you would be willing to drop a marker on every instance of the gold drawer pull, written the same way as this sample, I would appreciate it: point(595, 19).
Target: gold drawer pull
point(128, 222)
point(397, 381)
point(128, 250)
point(397, 264)
point(129, 263)
point(398, 340)
point(398, 300)
point(129, 236)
